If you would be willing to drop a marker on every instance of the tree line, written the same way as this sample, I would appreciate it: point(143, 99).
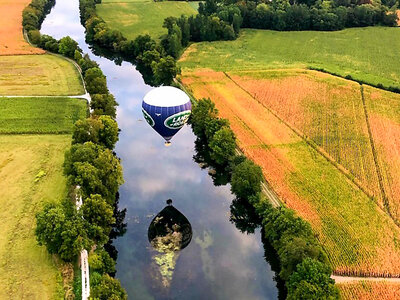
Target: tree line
point(93, 171)
point(304, 265)
point(222, 20)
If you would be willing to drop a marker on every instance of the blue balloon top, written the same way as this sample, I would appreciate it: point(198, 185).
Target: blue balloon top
point(166, 109)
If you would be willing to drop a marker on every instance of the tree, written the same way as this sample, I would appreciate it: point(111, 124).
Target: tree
point(165, 70)
point(102, 130)
point(103, 104)
point(67, 47)
point(62, 232)
point(100, 261)
point(222, 146)
point(108, 289)
point(96, 82)
point(202, 113)
point(293, 250)
point(312, 281)
point(246, 179)
point(96, 169)
point(99, 214)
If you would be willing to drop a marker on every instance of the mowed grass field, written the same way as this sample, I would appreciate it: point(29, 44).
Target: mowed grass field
point(369, 290)
point(40, 115)
point(38, 75)
point(11, 36)
point(370, 54)
point(30, 175)
point(360, 238)
point(136, 17)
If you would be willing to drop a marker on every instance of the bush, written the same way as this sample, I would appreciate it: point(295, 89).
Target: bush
point(312, 281)
point(108, 289)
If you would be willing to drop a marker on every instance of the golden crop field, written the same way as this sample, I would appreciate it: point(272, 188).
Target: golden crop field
point(11, 36)
point(369, 290)
point(326, 110)
point(384, 118)
point(359, 237)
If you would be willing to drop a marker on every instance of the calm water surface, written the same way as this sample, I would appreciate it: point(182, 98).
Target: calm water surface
point(220, 262)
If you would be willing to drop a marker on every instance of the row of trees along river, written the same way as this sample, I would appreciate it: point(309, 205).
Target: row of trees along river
point(226, 258)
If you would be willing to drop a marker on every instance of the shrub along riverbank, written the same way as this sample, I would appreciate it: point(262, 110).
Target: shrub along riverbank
point(90, 164)
point(304, 264)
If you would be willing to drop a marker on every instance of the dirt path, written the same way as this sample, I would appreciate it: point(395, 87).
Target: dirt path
point(349, 279)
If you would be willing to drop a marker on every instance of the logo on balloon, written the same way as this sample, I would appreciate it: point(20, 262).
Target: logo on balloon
point(176, 121)
point(148, 118)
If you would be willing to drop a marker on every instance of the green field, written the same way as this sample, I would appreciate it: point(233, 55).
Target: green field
point(40, 115)
point(38, 75)
point(134, 17)
point(30, 174)
point(370, 54)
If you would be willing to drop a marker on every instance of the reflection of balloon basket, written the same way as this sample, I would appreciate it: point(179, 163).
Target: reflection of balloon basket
point(167, 143)
point(170, 230)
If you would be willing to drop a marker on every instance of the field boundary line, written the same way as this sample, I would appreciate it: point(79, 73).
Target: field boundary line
point(375, 156)
point(338, 166)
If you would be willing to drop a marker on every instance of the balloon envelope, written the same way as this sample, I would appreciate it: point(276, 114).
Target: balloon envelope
point(166, 109)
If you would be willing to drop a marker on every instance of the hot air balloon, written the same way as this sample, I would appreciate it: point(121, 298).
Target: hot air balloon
point(166, 109)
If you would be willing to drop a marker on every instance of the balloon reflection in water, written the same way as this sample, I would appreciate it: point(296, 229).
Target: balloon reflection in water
point(169, 232)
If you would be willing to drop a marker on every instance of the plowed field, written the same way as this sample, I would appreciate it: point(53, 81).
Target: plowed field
point(11, 36)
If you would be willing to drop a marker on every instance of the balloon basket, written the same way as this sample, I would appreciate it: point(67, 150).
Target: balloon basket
point(167, 144)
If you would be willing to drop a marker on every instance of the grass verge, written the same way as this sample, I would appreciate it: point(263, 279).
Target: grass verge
point(30, 175)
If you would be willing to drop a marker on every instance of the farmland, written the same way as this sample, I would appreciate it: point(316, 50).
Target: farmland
point(326, 110)
point(135, 17)
point(384, 118)
point(11, 38)
point(40, 115)
point(38, 75)
point(357, 243)
point(368, 54)
point(369, 290)
point(30, 174)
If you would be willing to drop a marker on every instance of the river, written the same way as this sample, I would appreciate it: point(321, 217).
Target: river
point(220, 262)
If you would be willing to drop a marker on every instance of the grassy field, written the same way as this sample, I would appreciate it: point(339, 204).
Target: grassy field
point(38, 75)
point(358, 236)
point(40, 115)
point(30, 174)
point(11, 38)
point(136, 17)
point(384, 118)
point(369, 290)
point(370, 54)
